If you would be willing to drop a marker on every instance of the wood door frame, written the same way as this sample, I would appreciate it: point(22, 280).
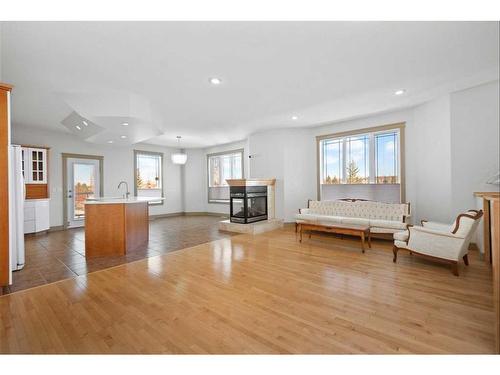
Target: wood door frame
point(4, 185)
point(65, 157)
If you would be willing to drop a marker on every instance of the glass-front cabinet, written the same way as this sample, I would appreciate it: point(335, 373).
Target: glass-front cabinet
point(34, 164)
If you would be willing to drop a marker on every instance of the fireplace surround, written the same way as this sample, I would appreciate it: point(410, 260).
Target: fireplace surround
point(252, 208)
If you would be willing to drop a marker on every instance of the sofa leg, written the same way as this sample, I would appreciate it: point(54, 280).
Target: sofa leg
point(296, 225)
point(466, 260)
point(454, 268)
point(395, 252)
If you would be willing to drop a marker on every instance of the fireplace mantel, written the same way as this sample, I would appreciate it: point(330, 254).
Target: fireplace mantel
point(251, 182)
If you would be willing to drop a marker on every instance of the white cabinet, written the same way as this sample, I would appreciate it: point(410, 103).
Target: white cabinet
point(36, 215)
point(34, 165)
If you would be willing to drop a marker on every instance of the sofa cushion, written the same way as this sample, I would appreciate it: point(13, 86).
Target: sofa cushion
point(383, 230)
point(387, 224)
point(328, 220)
point(401, 236)
point(306, 217)
point(320, 219)
point(355, 221)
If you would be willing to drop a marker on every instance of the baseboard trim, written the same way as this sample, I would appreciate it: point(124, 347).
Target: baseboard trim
point(161, 216)
point(191, 213)
point(57, 228)
point(205, 214)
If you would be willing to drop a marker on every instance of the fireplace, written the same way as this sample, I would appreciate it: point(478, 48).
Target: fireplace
point(248, 204)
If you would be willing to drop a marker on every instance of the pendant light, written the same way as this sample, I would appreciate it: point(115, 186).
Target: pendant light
point(179, 157)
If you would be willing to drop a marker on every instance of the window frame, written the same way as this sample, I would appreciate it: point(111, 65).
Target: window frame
point(151, 153)
point(228, 152)
point(373, 132)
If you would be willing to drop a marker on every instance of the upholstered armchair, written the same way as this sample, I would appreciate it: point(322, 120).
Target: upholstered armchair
point(442, 242)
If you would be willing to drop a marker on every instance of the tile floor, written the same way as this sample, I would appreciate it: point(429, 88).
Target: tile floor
point(61, 255)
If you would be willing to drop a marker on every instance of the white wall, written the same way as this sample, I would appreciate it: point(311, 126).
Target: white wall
point(267, 150)
point(194, 182)
point(289, 156)
point(196, 177)
point(474, 143)
point(118, 165)
point(431, 160)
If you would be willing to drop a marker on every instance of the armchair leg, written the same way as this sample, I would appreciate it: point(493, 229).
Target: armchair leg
point(466, 260)
point(395, 252)
point(454, 268)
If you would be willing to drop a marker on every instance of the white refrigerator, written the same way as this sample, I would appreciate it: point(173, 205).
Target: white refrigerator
point(16, 210)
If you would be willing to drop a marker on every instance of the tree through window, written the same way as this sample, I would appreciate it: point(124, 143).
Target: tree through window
point(371, 158)
point(149, 174)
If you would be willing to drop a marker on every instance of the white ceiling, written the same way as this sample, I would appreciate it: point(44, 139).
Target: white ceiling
point(155, 75)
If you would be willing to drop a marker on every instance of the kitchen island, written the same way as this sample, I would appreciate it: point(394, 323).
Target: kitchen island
point(114, 226)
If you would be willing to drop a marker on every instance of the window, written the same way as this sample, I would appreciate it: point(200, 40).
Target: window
point(386, 166)
point(149, 174)
point(357, 159)
point(223, 166)
point(370, 158)
point(333, 172)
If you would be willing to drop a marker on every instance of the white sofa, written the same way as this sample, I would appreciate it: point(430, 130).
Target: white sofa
point(381, 217)
point(443, 242)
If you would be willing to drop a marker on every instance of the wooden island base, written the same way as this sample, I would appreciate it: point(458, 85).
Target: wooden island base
point(115, 228)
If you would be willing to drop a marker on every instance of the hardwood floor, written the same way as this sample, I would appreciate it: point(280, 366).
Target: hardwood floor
point(266, 293)
point(61, 255)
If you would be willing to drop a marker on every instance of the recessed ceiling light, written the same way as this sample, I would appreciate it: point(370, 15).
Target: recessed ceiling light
point(295, 117)
point(399, 92)
point(215, 81)
point(110, 141)
point(123, 136)
point(124, 123)
point(85, 123)
point(78, 127)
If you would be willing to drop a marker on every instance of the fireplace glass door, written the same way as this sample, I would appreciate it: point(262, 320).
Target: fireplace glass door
point(256, 208)
point(238, 209)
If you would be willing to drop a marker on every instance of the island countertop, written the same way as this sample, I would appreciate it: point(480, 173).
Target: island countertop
point(119, 200)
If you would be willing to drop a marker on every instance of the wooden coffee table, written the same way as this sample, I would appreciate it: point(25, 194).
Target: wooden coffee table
point(362, 231)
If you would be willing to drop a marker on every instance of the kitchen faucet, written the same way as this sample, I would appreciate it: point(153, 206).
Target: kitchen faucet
point(126, 195)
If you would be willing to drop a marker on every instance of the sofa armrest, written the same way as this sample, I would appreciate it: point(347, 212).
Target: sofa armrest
point(433, 232)
point(436, 226)
point(303, 210)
